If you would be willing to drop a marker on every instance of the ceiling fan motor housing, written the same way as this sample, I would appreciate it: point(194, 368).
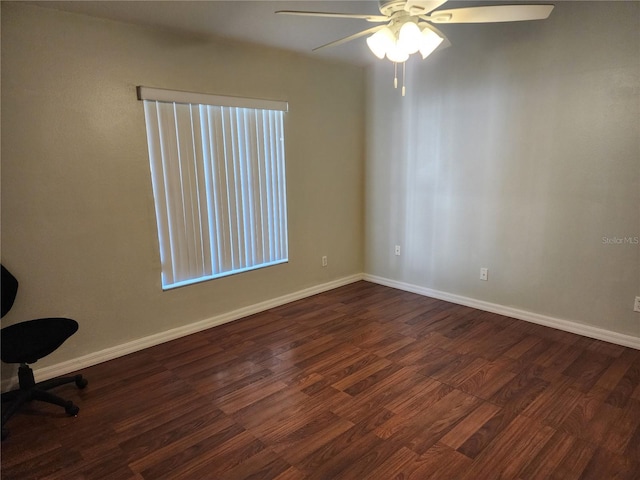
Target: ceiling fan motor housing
point(389, 7)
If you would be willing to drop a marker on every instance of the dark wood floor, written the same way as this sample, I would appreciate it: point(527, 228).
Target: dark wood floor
point(363, 382)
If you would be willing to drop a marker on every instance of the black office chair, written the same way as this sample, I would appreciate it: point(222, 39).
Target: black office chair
point(27, 342)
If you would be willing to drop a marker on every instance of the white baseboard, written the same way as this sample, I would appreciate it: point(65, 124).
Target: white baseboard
point(560, 324)
point(110, 353)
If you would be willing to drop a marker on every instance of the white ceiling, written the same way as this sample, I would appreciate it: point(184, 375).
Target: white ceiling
point(252, 21)
point(256, 22)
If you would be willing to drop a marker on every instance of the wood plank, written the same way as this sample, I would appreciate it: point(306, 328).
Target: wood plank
point(508, 454)
point(439, 462)
point(550, 457)
point(469, 425)
point(396, 466)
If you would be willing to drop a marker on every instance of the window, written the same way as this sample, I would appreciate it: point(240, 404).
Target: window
point(218, 173)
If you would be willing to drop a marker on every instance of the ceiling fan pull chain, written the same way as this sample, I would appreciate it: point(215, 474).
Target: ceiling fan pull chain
point(395, 75)
point(404, 75)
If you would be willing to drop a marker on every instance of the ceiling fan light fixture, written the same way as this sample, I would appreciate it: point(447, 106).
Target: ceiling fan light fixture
point(381, 42)
point(429, 41)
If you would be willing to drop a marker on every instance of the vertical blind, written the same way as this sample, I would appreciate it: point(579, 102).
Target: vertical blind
point(218, 176)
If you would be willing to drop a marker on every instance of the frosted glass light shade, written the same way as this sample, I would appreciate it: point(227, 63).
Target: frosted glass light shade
point(397, 54)
point(380, 42)
point(409, 37)
point(429, 41)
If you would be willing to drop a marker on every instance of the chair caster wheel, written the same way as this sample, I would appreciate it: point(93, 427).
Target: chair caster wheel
point(81, 382)
point(72, 409)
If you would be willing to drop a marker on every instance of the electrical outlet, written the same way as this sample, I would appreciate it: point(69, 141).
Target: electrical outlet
point(484, 274)
point(397, 251)
point(325, 261)
point(636, 305)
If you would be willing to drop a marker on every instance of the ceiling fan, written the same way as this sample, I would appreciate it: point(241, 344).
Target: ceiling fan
point(407, 25)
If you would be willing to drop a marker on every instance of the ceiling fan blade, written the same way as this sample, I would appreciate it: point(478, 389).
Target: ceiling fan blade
point(351, 37)
point(422, 7)
point(368, 18)
point(498, 13)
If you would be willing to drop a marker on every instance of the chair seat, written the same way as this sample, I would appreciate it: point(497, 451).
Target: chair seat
point(27, 342)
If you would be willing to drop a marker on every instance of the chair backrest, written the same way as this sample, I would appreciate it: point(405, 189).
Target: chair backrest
point(9, 290)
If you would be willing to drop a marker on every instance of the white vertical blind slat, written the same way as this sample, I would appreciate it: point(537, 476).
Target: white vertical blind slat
point(261, 185)
point(190, 237)
point(160, 196)
point(229, 155)
point(172, 184)
point(249, 217)
point(269, 187)
point(275, 231)
point(199, 145)
point(243, 221)
point(236, 188)
point(282, 190)
point(255, 179)
point(222, 197)
point(208, 189)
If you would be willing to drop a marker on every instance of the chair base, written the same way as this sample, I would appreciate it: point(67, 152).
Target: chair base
point(30, 390)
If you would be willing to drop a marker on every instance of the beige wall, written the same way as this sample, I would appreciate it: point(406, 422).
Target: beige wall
point(516, 149)
point(78, 222)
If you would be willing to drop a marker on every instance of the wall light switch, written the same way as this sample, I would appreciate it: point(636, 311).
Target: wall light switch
point(397, 250)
